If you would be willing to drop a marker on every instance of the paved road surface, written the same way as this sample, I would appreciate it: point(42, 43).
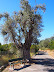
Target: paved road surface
point(41, 63)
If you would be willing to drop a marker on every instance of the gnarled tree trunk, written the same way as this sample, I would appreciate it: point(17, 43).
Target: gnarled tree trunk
point(26, 53)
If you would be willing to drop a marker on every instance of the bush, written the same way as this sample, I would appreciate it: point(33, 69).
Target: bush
point(34, 48)
point(52, 44)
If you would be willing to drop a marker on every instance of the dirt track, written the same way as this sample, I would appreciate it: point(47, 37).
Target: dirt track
point(41, 63)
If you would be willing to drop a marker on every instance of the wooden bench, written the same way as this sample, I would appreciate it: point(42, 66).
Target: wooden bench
point(16, 61)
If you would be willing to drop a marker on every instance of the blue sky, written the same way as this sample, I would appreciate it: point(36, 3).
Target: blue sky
point(48, 17)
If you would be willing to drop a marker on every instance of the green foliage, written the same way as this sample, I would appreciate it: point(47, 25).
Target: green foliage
point(34, 47)
point(1, 48)
point(51, 44)
point(47, 43)
point(23, 25)
point(12, 48)
point(4, 47)
point(44, 43)
point(0, 44)
point(7, 47)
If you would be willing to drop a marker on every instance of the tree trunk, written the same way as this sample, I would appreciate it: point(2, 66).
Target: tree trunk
point(26, 53)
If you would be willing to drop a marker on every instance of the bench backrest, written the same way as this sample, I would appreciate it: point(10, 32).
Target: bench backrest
point(11, 60)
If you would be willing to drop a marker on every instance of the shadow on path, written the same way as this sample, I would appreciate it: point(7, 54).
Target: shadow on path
point(42, 53)
point(51, 70)
point(22, 67)
point(47, 62)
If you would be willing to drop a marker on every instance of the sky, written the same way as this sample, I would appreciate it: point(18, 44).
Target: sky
point(48, 17)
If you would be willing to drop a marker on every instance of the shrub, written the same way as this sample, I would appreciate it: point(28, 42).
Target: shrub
point(34, 48)
point(52, 44)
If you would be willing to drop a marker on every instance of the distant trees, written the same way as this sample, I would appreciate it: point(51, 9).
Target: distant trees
point(24, 25)
point(47, 43)
point(44, 43)
point(1, 47)
point(0, 44)
point(11, 48)
point(51, 44)
point(4, 47)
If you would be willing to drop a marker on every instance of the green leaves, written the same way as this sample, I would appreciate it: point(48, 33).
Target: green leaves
point(51, 44)
point(23, 25)
point(41, 7)
point(47, 43)
point(4, 47)
point(34, 47)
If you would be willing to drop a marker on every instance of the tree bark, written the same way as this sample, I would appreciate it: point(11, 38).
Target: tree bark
point(27, 45)
point(26, 53)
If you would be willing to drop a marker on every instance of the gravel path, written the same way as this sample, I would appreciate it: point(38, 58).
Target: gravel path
point(41, 63)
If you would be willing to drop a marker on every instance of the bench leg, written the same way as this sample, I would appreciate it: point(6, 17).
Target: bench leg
point(13, 66)
point(24, 62)
point(29, 62)
point(21, 61)
point(10, 66)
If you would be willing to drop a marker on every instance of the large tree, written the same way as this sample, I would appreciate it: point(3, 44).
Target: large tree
point(24, 26)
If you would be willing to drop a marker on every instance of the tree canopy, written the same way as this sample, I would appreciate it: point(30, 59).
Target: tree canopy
point(47, 43)
point(24, 25)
